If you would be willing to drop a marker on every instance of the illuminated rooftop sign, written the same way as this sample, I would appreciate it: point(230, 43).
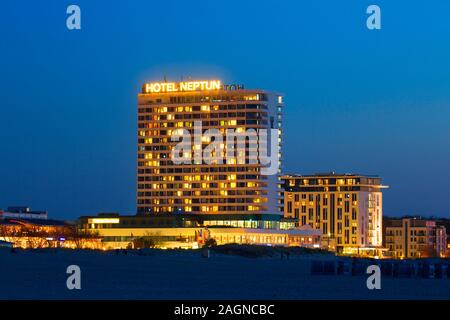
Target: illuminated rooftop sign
point(157, 87)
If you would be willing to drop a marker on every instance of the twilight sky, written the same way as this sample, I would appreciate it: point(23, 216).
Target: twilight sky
point(371, 102)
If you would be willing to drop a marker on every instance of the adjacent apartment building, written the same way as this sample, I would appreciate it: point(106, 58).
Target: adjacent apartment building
point(347, 208)
point(414, 238)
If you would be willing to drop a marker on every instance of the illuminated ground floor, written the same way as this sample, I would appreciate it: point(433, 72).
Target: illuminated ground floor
point(115, 238)
point(44, 233)
point(192, 231)
point(364, 252)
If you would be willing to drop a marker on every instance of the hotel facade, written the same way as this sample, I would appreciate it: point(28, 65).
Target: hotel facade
point(185, 195)
point(223, 185)
point(347, 208)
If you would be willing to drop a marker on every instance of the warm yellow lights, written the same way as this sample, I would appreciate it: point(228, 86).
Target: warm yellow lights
point(187, 155)
point(158, 87)
point(104, 220)
point(254, 97)
point(214, 178)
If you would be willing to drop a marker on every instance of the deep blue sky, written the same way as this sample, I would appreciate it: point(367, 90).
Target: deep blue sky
point(373, 102)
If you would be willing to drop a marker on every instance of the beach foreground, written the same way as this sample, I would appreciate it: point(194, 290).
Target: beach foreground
point(158, 274)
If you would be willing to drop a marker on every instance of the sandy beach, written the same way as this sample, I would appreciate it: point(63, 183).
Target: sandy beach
point(186, 275)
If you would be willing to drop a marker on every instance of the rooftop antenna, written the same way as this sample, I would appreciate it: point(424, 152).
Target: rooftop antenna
point(165, 78)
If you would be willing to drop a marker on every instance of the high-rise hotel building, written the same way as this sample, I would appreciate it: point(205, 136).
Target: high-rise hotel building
point(347, 208)
point(197, 187)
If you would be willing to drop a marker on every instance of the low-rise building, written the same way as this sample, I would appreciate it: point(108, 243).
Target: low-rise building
point(414, 238)
point(23, 228)
point(191, 231)
point(22, 212)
